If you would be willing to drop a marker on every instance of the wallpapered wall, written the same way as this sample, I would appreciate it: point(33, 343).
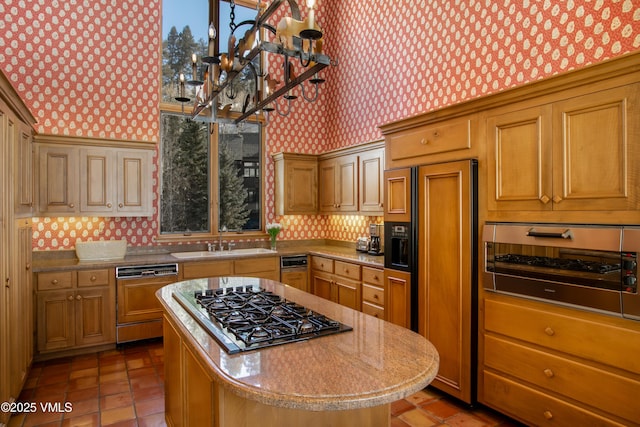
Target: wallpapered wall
point(89, 69)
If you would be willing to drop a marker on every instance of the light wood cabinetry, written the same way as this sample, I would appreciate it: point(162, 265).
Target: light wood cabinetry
point(337, 281)
point(371, 181)
point(446, 280)
point(298, 278)
point(398, 297)
point(557, 366)
point(16, 204)
point(373, 298)
point(75, 309)
point(397, 204)
point(554, 157)
point(262, 267)
point(81, 177)
point(339, 184)
point(296, 184)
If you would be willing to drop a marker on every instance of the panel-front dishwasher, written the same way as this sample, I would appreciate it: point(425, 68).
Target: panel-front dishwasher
point(293, 271)
point(139, 314)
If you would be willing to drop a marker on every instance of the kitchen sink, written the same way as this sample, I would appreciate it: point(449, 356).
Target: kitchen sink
point(221, 254)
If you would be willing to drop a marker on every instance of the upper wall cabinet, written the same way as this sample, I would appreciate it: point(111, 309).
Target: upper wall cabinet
point(296, 181)
point(575, 154)
point(339, 184)
point(107, 181)
point(371, 182)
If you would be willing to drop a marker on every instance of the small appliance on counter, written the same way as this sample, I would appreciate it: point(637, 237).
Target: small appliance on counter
point(362, 244)
point(376, 231)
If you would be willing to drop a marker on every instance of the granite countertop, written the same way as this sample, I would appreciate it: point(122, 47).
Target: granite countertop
point(374, 364)
point(65, 260)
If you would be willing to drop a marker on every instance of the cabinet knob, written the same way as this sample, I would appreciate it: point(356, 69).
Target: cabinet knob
point(70, 297)
point(28, 266)
point(72, 205)
point(548, 415)
point(109, 205)
point(545, 199)
point(93, 278)
point(120, 205)
point(424, 141)
point(78, 297)
point(54, 282)
point(375, 296)
point(549, 373)
point(549, 331)
point(436, 134)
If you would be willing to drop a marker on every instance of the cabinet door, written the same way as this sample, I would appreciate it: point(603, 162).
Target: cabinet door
point(24, 170)
point(137, 300)
point(58, 169)
point(173, 388)
point(445, 270)
point(348, 292)
point(321, 284)
point(97, 188)
point(596, 147)
point(397, 195)
point(398, 297)
point(327, 199)
point(296, 184)
point(519, 160)
point(347, 186)
point(371, 182)
point(94, 316)
point(134, 182)
point(56, 320)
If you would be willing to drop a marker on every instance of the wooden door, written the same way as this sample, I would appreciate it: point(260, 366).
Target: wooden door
point(445, 271)
point(24, 184)
point(371, 182)
point(300, 187)
point(398, 297)
point(94, 319)
point(97, 180)
point(59, 177)
point(347, 181)
point(519, 160)
point(56, 320)
point(348, 292)
point(327, 191)
point(397, 195)
point(321, 284)
point(134, 186)
point(596, 138)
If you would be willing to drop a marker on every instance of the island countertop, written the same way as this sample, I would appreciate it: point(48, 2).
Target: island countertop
point(374, 364)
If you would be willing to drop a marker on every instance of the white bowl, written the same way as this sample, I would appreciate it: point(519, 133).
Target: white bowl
point(103, 250)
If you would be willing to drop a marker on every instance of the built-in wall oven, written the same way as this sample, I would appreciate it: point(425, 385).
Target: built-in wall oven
point(586, 266)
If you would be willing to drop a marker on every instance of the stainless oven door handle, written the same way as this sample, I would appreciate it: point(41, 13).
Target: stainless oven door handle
point(566, 234)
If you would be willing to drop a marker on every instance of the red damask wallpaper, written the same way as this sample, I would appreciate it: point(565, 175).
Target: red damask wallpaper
point(89, 68)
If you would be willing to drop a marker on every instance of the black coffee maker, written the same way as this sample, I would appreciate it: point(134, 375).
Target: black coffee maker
point(376, 233)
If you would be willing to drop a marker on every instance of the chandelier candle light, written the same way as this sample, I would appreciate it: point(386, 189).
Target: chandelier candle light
point(273, 229)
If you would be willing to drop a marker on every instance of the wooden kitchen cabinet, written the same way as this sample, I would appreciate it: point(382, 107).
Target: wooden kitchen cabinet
point(115, 182)
point(574, 154)
point(262, 267)
point(373, 299)
point(397, 194)
point(338, 184)
point(336, 281)
point(296, 184)
point(397, 290)
point(91, 179)
point(23, 174)
point(371, 182)
point(559, 366)
point(75, 309)
point(446, 284)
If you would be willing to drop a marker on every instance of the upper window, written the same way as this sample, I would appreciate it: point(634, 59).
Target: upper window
point(211, 173)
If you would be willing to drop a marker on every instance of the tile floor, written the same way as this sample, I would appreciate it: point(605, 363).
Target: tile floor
point(124, 387)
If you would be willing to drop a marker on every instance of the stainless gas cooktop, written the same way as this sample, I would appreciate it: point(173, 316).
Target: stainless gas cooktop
point(244, 318)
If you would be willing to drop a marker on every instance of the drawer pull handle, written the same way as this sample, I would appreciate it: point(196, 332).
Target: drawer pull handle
point(78, 297)
point(109, 205)
point(549, 373)
point(436, 134)
point(54, 282)
point(93, 278)
point(424, 141)
point(548, 415)
point(70, 297)
point(549, 331)
point(375, 296)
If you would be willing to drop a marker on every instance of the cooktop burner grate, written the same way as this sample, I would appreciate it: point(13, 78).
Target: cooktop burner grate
point(243, 318)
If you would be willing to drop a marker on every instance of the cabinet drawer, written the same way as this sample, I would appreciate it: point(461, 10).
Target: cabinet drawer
point(373, 276)
point(255, 265)
point(373, 310)
point(604, 390)
point(534, 407)
point(345, 269)
point(194, 270)
point(55, 280)
point(435, 138)
point(586, 335)
point(94, 277)
point(373, 294)
point(322, 264)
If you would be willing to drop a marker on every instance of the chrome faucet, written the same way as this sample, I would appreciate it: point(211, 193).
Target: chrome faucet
point(222, 230)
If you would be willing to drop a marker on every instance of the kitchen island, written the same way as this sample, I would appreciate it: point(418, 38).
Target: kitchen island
point(348, 378)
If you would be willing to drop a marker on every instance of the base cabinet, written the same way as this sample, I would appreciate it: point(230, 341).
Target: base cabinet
point(337, 281)
point(75, 309)
point(547, 365)
point(398, 297)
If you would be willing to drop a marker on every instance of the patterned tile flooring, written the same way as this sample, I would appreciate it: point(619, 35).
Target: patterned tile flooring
point(124, 387)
